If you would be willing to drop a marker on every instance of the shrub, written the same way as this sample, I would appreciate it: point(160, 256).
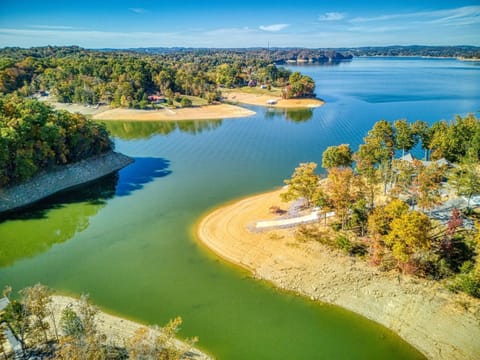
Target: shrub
point(185, 102)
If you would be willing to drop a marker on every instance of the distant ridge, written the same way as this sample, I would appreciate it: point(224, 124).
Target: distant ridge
point(277, 54)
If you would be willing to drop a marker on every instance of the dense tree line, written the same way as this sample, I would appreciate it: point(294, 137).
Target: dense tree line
point(74, 333)
point(467, 52)
point(127, 78)
point(383, 201)
point(282, 55)
point(34, 137)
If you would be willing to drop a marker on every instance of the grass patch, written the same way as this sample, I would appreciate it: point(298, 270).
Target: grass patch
point(256, 90)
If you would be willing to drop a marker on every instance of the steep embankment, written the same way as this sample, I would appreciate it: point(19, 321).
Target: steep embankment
point(62, 178)
point(440, 324)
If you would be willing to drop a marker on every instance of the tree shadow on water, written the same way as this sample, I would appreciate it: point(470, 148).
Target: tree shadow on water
point(97, 192)
point(141, 172)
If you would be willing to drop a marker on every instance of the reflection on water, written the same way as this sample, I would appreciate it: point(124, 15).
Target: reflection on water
point(58, 218)
point(135, 130)
point(295, 115)
point(141, 172)
point(34, 230)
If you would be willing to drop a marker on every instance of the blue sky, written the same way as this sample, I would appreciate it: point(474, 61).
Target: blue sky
point(230, 23)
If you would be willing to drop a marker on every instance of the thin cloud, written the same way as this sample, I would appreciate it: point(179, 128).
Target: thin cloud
point(332, 16)
point(138, 10)
point(52, 27)
point(457, 16)
point(274, 27)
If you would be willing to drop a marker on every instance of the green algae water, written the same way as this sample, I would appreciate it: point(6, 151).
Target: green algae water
point(128, 239)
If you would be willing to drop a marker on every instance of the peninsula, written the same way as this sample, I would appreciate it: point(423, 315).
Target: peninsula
point(352, 240)
point(420, 311)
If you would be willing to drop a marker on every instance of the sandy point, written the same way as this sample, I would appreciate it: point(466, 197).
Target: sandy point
point(440, 324)
point(207, 112)
point(266, 100)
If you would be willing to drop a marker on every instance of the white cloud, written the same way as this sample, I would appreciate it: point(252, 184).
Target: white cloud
point(332, 16)
point(273, 27)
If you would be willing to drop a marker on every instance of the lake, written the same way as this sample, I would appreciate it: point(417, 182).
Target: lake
point(129, 241)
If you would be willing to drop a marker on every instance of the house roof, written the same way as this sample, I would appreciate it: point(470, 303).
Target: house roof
point(3, 303)
point(440, 162)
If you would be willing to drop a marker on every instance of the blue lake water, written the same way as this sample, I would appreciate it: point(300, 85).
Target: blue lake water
point(129, 241)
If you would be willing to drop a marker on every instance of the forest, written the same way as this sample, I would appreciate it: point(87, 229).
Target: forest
point(386, 202)
point(35, 137)
point(127, 78)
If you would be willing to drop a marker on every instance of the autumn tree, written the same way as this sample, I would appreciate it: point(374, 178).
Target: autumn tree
point(379, 221)
point(343, 191)
point(404, 176)
point(453, 141)
point(366, 166)
point(376, 152)
point(304, 183)
point(465, 178)
point(409, 234)
point(159, 343)
point(83, 340)
point(337, 156)
point(299, 86)
point(36, 300)
point(427, 185)
point(404, 136)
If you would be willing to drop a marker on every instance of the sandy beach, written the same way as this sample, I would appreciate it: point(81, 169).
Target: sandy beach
point(117, 330)
point(208, 112)
point(262, 100)
point(438, 323)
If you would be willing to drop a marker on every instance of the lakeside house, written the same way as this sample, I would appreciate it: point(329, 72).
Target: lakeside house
point(408, 157)
point(157, 99)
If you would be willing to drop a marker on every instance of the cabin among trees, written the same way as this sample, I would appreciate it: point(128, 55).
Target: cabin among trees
point(416, 216)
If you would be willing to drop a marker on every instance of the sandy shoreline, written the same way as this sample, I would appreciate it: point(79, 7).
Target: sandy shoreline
point(261, 100)
point(117, 330)
point(207, 112)
point(439, 324)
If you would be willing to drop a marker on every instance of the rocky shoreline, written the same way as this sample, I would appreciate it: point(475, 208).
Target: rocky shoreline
point(62, 178)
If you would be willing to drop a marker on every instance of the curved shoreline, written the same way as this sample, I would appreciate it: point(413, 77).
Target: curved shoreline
point(438, 323)
point(64, 177)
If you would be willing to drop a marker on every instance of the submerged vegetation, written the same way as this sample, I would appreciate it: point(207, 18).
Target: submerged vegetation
point(34, 137)
point(387, 208)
